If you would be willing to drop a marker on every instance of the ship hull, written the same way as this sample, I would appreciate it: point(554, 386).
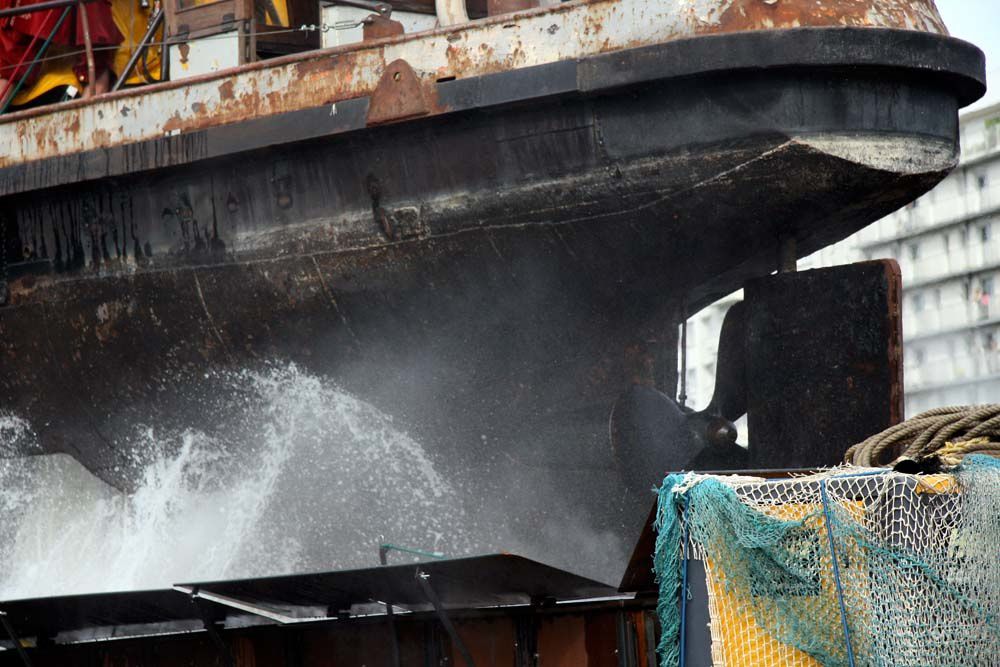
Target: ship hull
point(481, 274)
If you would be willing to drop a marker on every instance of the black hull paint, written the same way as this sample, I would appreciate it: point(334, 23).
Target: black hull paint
point(480, 275)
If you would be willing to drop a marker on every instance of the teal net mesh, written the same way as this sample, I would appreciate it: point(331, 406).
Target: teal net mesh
point(916, 581)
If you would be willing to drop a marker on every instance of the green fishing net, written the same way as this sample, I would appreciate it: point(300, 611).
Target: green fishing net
point(911, 575)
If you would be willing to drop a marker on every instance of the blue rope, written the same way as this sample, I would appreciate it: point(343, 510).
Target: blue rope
point(836, 573)
point(682, 659)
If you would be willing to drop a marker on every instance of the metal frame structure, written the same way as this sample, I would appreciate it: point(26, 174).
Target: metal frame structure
point(486, 606)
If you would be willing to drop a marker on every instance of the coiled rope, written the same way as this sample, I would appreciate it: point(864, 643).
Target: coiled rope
point(947, 434)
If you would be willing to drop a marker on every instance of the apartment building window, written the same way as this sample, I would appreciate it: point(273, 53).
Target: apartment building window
point(937, 298)
point(692, 382)
point(981, 298)
point(914, 251)
point(985, 232)
point(965, 236)
point(947, 242)
point(991, 352)
point(981, 181)
point(918, 303)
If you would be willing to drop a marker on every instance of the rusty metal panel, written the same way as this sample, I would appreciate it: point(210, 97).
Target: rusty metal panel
point(562, 642)
point(335, 646)
point(824, 362)
point(491, 642)
point(567, 31)
point(380, 27)
point(603, 646)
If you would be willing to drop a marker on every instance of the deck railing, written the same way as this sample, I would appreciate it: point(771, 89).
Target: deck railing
point(180, 21)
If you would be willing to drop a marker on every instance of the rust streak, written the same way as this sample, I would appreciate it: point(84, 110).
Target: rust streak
point(757, 15)
point(226, 90)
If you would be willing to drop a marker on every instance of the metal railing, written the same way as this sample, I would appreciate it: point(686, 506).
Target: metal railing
point(449, 12)
point(155, 23)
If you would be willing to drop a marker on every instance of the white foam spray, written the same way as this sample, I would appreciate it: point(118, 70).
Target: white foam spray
point(311, 480)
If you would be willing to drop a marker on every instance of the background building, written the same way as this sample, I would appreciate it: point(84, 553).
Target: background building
point(947, 244)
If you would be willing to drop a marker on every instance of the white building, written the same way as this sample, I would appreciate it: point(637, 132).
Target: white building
point(947, 244)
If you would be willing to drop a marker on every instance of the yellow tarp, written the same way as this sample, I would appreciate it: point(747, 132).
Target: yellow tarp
point(737, 639)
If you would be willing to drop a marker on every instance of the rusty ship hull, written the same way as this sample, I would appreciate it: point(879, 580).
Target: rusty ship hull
point(478, 255)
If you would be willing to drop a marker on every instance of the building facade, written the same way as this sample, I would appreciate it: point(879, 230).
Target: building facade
point(947, 244)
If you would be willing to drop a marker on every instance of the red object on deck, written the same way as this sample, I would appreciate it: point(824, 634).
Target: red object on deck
point(21, 36)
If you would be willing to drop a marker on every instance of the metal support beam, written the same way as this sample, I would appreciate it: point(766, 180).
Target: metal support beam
point(237, 604)
point(424, 580)
point(154, 24)
point(39, 7)
point(88, 47)
point(206, 620)
point(9, 629)
point(526, 641)
point(383, 559)
point(626, 640)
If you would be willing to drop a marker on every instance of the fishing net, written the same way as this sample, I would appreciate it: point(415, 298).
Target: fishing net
point(854, 566)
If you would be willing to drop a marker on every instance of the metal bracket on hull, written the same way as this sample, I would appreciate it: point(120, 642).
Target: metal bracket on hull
point(398, 96)
point(213, 633)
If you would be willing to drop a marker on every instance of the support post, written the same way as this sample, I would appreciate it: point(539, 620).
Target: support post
point(9, 629)
point(164, 48)
point(383, 558)
point(424, 580)
point(89, 48)
point(625, 640)
point(213, 633)
point(154, 24)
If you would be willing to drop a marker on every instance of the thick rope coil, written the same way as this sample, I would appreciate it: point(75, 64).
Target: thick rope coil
point(945, 433)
